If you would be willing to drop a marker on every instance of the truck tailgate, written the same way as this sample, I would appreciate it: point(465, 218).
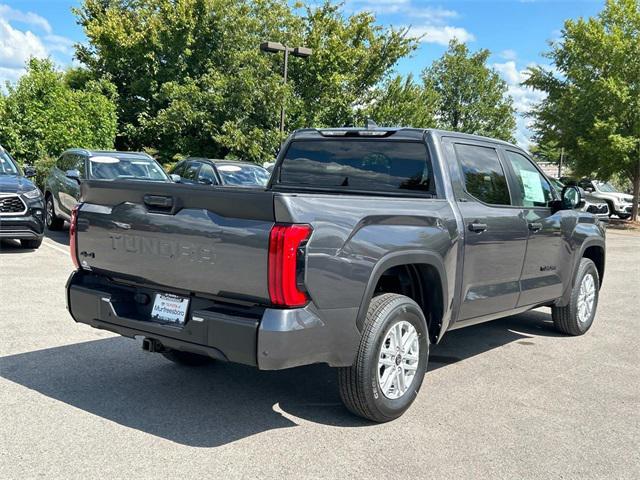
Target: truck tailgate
point(181, 237)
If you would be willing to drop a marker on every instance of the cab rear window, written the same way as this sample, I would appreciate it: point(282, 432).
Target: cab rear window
point(352, 164)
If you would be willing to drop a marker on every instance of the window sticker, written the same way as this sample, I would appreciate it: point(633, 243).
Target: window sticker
point(532, 186)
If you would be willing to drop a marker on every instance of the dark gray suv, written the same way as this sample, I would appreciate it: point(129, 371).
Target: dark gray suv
point(62, 186)
point(21, 208)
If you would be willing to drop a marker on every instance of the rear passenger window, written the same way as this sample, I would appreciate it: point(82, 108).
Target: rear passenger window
point(367, 165)
point(207, 175)
point(191, 172)
point(65, 162)
point(179, 169)
point(484, 176)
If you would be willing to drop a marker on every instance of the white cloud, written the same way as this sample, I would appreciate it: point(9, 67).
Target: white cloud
point(433, 14)
point(10, 14)
point(380, 6)
point(432, 24)
point(441, 34)
point(58, 43)
point(524, 98)
point(10, 75)
point(508, 54)
point(17, 46)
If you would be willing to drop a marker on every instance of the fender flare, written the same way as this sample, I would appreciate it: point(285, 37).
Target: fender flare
point(394, 259)
point(588, 242)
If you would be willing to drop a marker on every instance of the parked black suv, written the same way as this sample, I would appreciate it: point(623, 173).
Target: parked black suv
point(62, 186)
point(21, 203)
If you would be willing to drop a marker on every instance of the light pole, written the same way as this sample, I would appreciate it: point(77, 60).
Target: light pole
point(275, 47)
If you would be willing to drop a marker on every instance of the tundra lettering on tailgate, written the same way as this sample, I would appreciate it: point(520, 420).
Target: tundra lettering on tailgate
point(186, 251)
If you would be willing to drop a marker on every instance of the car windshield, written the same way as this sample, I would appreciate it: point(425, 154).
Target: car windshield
point(243, 175)
point(7, 166)
point(606, 187)
point(116, 167)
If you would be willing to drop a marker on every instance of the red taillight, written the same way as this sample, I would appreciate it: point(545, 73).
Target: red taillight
point(73, 233)
point(284, 243)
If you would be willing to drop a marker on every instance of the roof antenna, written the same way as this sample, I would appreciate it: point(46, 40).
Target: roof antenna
point(371, 124)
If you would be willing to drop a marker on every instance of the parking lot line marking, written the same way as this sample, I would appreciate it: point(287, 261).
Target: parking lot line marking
point(55, 247)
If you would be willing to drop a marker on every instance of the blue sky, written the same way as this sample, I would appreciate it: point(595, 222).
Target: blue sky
point(516, 32)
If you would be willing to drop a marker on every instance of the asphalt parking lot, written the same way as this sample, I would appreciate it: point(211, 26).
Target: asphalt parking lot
point(507, 399)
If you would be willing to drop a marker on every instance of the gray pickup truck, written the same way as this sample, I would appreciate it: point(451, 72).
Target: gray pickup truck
point(366, 246)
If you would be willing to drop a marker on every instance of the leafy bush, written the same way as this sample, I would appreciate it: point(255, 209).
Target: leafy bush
point(43, 115)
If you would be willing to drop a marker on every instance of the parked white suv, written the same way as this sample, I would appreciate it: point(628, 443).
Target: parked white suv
point(592, 204)
point(619, 203)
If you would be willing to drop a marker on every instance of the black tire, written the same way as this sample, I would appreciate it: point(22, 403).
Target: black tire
point(567, 319)
point(33, 243)
point(611, 210)
point(359, 385)
point(53, 222)
point(624, 216)
point(186, 358)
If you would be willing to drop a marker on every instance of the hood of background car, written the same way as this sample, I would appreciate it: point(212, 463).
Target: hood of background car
point(589, 197)
point(621, 197)
point(15, 184)
point(626, 197)
point(615, 196)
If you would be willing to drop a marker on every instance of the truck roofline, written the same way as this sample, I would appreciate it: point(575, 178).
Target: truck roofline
point(396, 132)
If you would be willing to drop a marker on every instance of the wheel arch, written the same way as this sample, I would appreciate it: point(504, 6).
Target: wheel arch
point(426, 266)
point(594, 249)
point(596, 253)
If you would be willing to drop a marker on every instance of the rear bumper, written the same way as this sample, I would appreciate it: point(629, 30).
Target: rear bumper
point(270, 339)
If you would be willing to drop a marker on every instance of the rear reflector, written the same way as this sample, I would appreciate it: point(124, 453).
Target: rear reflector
point(73, 233)
point(285, 254)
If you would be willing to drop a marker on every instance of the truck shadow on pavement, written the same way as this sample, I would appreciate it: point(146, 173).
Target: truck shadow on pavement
point(221, 403)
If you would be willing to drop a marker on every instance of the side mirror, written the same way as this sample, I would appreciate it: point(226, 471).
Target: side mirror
point(29, 171)
point(571, 198)
point(590, 189)
point(73, 175)
point(175, 178)
point(205, 181)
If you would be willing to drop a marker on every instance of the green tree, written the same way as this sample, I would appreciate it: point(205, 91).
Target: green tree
point(43, 116)
point(191, 79)
point(592, 106)
point(471, 97)
point(401, 102)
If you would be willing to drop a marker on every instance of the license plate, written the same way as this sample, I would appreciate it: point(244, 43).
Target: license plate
point(169, 308)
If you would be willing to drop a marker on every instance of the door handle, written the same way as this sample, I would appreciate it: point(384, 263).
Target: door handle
point(158, 201)
point(477, 227)
point(535, 227)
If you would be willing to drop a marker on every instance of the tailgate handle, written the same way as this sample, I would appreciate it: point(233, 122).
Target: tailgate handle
point(158, 201)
